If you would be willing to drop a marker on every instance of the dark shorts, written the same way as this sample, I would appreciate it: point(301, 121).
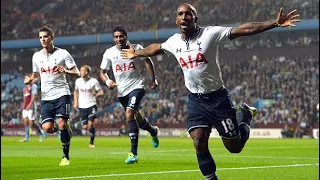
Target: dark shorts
point(60, 108)
point(133, 100)
point(213, 110)
point(87, 114)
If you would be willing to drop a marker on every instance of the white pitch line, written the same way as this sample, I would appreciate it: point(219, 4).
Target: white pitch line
point(267, 157)
point(229, 156)
point(223, 149)
point(178, 171)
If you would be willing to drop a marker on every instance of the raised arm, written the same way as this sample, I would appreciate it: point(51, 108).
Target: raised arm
point(34, 75)
point(252, 28)
point(151, 50)
point(151, 71)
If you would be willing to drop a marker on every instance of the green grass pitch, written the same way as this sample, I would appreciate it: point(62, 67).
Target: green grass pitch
point(174, 159)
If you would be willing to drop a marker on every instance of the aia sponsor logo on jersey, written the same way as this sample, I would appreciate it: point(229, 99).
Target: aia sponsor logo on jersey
point(86, 90)
point(188, 63)
point(49, 70)
point(125, 67)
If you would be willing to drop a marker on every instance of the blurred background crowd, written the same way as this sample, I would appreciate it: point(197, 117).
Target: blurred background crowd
point(21, 19)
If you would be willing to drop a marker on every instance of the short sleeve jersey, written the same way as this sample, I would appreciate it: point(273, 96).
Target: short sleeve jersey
point(126, 75)
point(202, 73)
point(86, 91)
point(53, 83)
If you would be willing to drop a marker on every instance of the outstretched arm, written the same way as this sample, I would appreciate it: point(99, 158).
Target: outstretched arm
point(151, 50)
point(252, 28)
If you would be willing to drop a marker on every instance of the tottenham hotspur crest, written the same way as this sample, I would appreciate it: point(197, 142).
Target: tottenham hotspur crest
point(199, 44)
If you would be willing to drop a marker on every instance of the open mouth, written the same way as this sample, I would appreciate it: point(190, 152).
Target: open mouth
point(184, 25)
point(120, 42)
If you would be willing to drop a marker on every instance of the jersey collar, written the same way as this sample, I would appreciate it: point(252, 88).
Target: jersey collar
point(195, 35)
point(120, 48)
point(54, 49)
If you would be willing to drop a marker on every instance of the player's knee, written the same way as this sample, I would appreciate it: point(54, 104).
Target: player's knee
point(234, 145)
point(235, 150)
point(85, 127)
point(48, 128)
point(90, 124)
point(129, 114)
point(200, 144)
point(25, 122)
point(61, 123)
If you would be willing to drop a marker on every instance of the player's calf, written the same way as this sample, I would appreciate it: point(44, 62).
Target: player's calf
point(200, 144)
point(200, 137)
point(92, 132)
point(134, 135)
point(248, 113)
point(133, 130)
point(65, 137)
point(145, 125)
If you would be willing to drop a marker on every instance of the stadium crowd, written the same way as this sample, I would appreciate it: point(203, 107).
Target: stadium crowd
point(21, 19)
point(287, 85)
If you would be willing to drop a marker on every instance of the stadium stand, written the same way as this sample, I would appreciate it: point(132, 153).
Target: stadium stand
point(21, 19)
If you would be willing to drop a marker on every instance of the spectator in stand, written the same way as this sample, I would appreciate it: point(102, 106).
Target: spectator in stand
point(286, 131)
point(123, 131)
point(82, 17)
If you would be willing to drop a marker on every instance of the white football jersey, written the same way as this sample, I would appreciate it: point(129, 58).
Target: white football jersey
point(125, 73)
point(86, 90)
point(202, 74)
point(53, 84)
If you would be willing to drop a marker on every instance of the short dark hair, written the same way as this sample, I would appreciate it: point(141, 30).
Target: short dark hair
point(120, 29)
point(47, 29)
point(193, 9)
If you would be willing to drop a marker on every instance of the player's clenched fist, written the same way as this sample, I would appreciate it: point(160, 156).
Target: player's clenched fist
point(111, 84)
point(61, 69)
